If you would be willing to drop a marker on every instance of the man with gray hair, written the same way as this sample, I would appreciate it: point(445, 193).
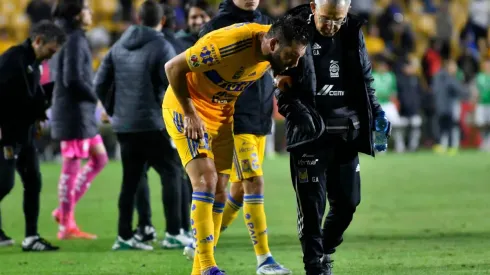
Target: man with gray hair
point(330, 108)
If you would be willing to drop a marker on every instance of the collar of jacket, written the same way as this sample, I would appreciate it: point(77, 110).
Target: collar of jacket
point(228, 7)
point(30, 55)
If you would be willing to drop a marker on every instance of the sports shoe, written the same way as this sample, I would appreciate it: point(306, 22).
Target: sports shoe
point(190, 250)
point(177, 241)
point(131, 244)
point(146, 234)
point(271, 267)
point(5, 240)
point(37, 244)
point(213, 271)
point(75, 233)
point(327, 263)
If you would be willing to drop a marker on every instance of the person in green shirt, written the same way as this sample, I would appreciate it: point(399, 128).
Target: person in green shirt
point(482, 112)
point(386, 92)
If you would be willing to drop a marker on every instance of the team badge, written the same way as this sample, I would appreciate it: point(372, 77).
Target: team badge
point(206, 56)
point(8, 152)
point(194, 60)
point(302, 175)
point(246, 166)
point(334, 68)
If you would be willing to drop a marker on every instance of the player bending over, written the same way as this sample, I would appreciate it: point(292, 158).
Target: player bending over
point(198, 110)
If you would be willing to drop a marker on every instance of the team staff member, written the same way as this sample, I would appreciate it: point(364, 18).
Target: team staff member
point(335, 83)
point(251, 124)
point(199, 106)
point(135, 65)
point(23, 102)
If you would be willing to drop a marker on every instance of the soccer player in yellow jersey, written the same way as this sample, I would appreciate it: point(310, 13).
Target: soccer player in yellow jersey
point(198, 107)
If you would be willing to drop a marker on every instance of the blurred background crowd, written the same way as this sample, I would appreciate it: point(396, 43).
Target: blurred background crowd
point(410, 39)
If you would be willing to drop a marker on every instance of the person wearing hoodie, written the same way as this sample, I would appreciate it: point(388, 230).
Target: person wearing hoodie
point(134, 67)
point(251, 123)
point(73, 119)
point(198, 13)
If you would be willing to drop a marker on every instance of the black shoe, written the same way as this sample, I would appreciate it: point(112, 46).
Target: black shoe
point(37, 244)
point(145, 234)
point(5, 240)
point(327, 263)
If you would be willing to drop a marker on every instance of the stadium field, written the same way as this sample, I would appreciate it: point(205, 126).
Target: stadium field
point(420, 214)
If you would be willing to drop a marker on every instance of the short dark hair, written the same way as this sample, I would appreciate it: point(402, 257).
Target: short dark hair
point(290, 28)
point(49, 32)
point(68, 9)
point(150, 13)
point(201, 4)
point(170, 17)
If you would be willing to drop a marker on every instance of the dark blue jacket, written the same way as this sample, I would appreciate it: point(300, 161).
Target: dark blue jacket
point(302, 94)
point(253, 108)
point(74, 100)
point(135, 65)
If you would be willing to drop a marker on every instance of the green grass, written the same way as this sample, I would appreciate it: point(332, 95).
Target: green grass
point(420, 214)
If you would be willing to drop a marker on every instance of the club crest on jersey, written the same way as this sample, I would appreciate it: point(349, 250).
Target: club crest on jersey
point(194, 61)
point(239, 73)
point(302, 175)
point(334, 68)
point(246, 166)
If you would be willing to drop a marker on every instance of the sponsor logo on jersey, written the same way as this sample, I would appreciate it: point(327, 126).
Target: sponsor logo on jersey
point(240, 86)
point(327, 90)
point(316, 49)
point(239, 73)
point(223, 98)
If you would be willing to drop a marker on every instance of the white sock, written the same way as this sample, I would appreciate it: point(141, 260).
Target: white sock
point(262, 258)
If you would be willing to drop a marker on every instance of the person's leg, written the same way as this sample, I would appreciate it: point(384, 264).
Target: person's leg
point(7, 180)
point(133, 163)
point(198, 160)
point(344, 195)
point(97, 161)
point(165, 160)
point(415, 132)
point(308, 178)
point(69, 171)
point(29, 172)
point(143, 205)
point(28, 169)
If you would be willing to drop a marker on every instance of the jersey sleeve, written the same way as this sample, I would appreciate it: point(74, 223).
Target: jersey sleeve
point(216, 48)
point(480, 82)
point(204, 55)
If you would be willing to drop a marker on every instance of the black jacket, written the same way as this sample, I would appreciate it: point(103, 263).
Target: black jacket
point(171, 37)
point(74, 101)
point(360, 84)
point(22, 99)
point(135, 65)
point(253, 108)
point(187, 39)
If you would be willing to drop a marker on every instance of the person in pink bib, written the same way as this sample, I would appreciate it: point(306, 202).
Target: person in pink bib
point(73, 120)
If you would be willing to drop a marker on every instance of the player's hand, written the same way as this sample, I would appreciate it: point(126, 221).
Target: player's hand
point(283, 82)
point(193, 126)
